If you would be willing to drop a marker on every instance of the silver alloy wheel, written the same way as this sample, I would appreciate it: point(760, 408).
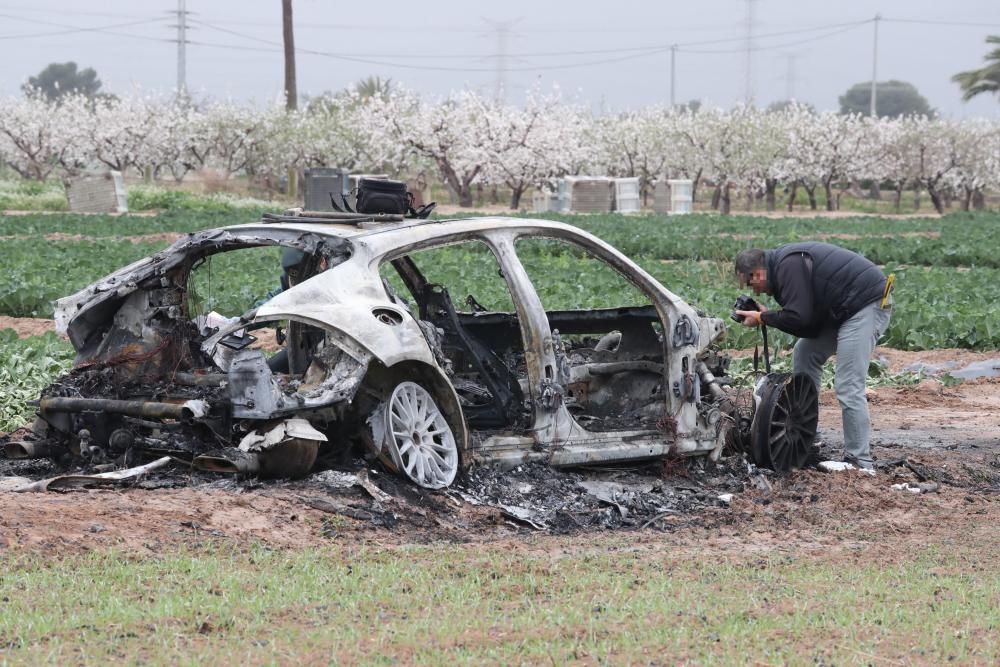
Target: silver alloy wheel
point(420, 441)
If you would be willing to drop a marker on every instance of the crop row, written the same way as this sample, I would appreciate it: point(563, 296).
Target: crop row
point(937, 306)
point(26, 366)
point(955, 240)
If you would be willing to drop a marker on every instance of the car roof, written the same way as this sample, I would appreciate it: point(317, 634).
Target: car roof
point(397, 234)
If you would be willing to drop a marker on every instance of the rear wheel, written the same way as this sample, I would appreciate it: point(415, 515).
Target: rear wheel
point(784, 424)
point(418, 438)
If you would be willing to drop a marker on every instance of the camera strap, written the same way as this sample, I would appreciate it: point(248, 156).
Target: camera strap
point(767, 353)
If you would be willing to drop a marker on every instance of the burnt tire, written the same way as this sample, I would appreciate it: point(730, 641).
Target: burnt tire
point(785, 421)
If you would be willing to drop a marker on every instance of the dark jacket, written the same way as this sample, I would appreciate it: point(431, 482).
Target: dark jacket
point(819, 285)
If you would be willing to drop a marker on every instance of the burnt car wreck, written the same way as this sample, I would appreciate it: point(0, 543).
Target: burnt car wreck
point(375, 355)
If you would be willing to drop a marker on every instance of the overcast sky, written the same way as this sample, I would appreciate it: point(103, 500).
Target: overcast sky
point(610, 55)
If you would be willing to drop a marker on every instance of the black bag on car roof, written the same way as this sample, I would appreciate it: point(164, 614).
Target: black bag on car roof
point(376, 195)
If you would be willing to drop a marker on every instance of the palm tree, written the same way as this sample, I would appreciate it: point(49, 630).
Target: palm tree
point(373, 86)
point(986, 79)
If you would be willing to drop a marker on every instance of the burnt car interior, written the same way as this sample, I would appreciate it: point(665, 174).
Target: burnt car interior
point(142, 372)
point(486, 363)
point(610, 360)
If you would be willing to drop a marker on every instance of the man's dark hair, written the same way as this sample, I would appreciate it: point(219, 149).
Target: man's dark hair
point(747, 261)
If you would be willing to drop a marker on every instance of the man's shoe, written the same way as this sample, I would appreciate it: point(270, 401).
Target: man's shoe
point(857, 463)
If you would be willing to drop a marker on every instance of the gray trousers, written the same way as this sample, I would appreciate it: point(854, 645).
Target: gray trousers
point(853, 343)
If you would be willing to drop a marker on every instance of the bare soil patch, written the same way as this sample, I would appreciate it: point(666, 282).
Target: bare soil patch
point(27, 326)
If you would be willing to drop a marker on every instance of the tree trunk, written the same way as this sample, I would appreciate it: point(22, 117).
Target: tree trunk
point(966, 199)
point(829, 195)
point(694, 188)
point(898, 198)
point(791, 195)
point(978, 199)
point(770, 185)
point(916, 198)
point(461, 190)
point(716, 197)
point(515, 196)
point(946, 198)
point(876, 191)
point(855, 189)
point(935, 199)
point(726, 199)
point(811, 191)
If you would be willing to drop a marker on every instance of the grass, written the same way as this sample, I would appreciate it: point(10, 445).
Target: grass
point(475, 604)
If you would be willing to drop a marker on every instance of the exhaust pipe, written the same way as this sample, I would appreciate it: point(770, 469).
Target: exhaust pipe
point(237, 463)
point(30, 450)
point(151, 409)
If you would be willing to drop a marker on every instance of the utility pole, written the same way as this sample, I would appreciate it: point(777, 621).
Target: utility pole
point(748, 74)
point(181, 49)
point(501, 30)
point(291, 90)
point(673, 74)
point(878, 17)
point(790, 75)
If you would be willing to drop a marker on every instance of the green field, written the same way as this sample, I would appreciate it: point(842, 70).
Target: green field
point(945, 282)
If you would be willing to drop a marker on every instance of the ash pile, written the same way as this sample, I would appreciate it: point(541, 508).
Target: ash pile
point(662, 495)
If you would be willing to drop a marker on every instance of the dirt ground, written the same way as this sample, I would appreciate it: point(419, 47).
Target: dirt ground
point(947, 437)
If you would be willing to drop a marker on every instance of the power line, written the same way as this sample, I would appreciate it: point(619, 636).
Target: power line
point(965, 24)
point(63, 12)
point(368, 60)
point(69, 29)
point(784, 44)
point(637, 51)
point(449, 56)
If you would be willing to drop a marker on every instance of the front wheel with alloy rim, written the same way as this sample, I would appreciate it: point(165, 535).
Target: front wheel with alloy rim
point(420, 442)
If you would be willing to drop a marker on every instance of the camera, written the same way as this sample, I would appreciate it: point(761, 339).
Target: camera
point(743, 302)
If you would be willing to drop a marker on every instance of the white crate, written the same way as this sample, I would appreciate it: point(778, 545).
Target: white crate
point(543, 201)
point(102, 193)
point(586, 194)
point(627, 198)
point(681, 201)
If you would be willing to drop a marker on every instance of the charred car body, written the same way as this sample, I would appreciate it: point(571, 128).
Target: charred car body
point(378, 354)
